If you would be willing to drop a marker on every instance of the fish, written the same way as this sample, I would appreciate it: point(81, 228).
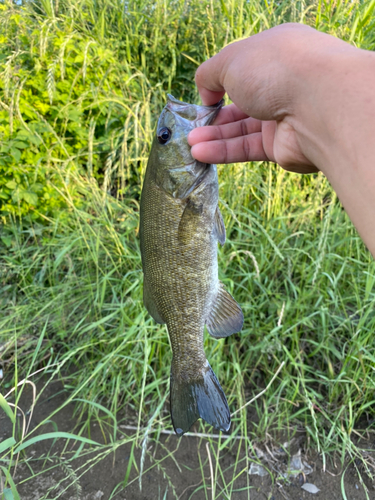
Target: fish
point(180, 227)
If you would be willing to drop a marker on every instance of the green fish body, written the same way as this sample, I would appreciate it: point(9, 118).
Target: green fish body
point(179, 228)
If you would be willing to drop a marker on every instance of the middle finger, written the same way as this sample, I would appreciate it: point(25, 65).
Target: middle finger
point(227, 131)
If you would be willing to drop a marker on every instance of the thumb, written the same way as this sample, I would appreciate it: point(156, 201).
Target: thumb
point(208, 79)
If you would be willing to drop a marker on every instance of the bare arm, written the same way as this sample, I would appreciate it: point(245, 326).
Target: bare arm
point(303, 99)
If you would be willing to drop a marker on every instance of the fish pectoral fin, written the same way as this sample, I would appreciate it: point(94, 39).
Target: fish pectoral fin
point(149, 303)
point(191, 220)
point(219, 228)
point(225, 316)
point(201, 397)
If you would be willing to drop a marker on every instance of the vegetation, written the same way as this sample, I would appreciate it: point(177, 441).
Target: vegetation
point(81, 86)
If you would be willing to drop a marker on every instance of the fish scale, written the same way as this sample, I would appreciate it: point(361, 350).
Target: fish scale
point(180, 227)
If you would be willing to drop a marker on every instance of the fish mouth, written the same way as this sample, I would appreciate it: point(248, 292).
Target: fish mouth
point(212, 111)
point(199, 115)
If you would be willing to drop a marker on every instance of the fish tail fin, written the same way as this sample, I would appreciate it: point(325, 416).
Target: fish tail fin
point(200, 397)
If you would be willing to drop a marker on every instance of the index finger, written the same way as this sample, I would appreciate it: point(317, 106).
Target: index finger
point(229, 114)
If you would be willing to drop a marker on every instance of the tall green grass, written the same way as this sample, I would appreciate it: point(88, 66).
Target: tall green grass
point(71, 282)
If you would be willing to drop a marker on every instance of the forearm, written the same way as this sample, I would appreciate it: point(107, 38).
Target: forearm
point(335, 126)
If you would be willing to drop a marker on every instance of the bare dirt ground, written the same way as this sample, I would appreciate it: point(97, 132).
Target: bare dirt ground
point(178, 476)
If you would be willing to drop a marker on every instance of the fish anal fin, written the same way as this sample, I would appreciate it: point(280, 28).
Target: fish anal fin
point(149, 303)
point(202, 397)
point(219, 228)
point(225, 316)
point(190, 222)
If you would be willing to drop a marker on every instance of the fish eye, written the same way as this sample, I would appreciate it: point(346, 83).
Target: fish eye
point(164, 135)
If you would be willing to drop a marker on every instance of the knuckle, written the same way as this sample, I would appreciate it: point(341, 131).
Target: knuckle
point(246, 147)
point(219, 132)
point(223, 150)
point(243, 127)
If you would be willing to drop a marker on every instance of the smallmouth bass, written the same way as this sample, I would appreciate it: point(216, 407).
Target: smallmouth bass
point(180, 225)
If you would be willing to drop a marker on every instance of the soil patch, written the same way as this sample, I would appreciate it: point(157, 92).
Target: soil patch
point(173, 467)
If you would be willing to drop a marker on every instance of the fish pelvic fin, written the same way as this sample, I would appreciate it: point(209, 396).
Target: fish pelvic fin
point(202, 397)
point(225, 317)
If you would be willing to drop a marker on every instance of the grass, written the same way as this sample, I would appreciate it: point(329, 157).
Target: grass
point(71, 284)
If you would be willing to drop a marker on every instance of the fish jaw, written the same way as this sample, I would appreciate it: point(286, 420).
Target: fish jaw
point(198, 115)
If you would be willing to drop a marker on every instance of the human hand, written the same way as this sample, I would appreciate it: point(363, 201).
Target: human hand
point(236, 137)
point(272, 78)
point(303, 99)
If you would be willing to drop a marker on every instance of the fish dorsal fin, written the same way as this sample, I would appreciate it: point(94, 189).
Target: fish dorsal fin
point(225, 316)
point(219, 228)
